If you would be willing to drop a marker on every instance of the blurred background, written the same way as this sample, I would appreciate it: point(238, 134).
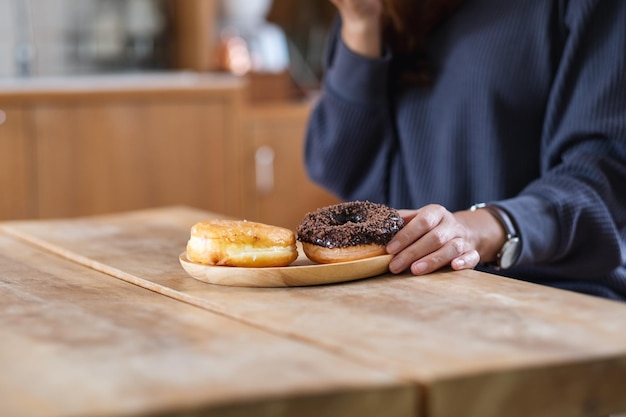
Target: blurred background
point(67, 37)
point(114, 105)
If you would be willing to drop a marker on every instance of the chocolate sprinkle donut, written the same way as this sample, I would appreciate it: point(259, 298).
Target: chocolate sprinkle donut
point(349, 224)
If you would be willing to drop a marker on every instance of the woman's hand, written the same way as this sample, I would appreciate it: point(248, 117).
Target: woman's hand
point(361, 25)
point(433, 238)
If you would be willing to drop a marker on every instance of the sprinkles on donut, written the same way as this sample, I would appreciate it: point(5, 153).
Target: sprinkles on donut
point(348, 231)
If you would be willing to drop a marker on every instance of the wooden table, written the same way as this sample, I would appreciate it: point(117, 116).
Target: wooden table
point(448, 344)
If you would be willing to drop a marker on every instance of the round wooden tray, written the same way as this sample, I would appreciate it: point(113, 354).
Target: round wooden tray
point(302, 272)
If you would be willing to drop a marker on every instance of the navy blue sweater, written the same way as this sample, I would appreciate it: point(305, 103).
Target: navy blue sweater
point(527, 110)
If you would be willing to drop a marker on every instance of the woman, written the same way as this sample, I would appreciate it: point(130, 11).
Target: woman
point(436, 105)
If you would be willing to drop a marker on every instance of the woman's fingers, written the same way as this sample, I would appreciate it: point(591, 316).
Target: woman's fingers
point(454, 250)
point(431, 239)
point(361, 25)
point(430, 253)
point(416, 224)
point(467, 260)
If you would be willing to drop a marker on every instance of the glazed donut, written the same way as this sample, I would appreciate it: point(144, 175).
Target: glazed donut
point(241, 243)
point(348, 231)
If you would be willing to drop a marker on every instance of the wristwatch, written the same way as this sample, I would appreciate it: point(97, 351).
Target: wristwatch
point(510, 251)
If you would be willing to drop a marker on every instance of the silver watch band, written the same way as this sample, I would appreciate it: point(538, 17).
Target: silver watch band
point(509, 253)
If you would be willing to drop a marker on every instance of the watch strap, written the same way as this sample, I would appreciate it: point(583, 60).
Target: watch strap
point(504, 218)
point(507, 223)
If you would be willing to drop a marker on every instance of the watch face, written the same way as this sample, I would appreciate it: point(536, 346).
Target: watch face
point(510, 252)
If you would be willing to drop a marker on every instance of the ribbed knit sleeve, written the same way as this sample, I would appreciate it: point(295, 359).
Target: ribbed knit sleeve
point(350, 137)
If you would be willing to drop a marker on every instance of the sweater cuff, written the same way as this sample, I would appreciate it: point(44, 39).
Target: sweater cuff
point(357, 78)
point(537, 226)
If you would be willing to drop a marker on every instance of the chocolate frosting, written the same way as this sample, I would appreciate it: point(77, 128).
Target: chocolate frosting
point(350, 224)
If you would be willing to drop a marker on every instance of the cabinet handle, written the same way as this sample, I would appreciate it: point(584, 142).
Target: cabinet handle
point(264, 168)
point(3, 117)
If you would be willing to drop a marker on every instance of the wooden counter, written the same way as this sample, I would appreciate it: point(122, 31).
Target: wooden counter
point(38, 90)
point(472, 344)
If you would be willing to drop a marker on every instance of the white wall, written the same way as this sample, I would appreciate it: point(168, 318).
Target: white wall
point(49, 24)
point(6, 38)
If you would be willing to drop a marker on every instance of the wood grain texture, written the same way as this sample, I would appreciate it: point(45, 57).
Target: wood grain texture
point(98, 144)
point(475, 343)
point(16, 164)
point(118, 156)
point(196, 32)
point(76, 342)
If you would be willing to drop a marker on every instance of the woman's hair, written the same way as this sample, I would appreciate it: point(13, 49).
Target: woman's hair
point(407, 25)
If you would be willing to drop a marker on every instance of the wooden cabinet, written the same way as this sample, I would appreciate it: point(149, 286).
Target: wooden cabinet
point(116, 156)
point(17, 171)
point(276, 189)
point(113, 144)
point(107, 144)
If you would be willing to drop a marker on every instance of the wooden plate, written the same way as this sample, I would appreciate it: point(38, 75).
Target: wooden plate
point(301, 272)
